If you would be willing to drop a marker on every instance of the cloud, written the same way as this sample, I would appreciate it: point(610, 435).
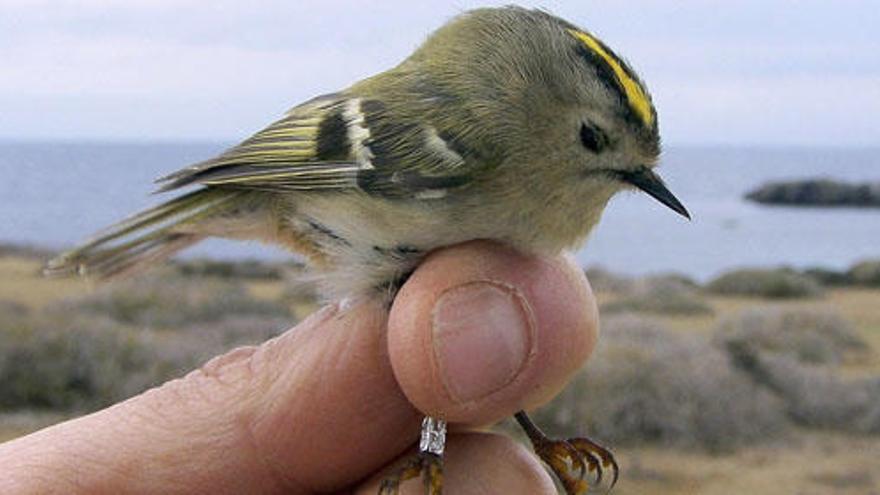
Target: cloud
point(737, 72)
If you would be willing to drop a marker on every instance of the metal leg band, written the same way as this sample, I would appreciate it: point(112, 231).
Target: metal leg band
point(433, 439)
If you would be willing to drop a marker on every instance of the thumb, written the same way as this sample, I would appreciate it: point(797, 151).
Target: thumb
point(481, 331)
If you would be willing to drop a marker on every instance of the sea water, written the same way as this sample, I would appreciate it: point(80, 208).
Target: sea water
point(54, 194)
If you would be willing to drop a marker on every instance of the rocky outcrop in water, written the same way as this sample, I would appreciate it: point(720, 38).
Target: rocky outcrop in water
point(817, 192)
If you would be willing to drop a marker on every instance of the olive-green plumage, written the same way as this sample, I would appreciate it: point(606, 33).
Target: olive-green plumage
point(506, 124)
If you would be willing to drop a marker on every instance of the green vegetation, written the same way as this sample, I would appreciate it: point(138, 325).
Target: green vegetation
point(647, 384)
point(807, 335)
point(240, 270)
point(86, 352)
point(169, 300)
point(24, 251)
point(603, 280)
point(753, 357)
point(667, 295)
point(73, 363)
point(763, 374)
point(782, 283)
point(865, 273)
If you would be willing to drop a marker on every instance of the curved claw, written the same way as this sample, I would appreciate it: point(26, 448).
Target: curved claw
point(593, 463)
point(587, 446)
point(563, 458)
point(576, 459)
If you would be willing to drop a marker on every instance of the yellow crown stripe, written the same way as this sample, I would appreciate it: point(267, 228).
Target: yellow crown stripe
point(635, 95)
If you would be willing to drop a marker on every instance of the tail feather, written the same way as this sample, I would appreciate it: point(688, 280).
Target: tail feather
point(138, 258)
point(143, 239)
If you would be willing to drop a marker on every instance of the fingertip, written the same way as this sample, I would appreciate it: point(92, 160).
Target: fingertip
point(481, 331)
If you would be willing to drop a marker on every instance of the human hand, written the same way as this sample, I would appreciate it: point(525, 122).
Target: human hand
point(477, 333)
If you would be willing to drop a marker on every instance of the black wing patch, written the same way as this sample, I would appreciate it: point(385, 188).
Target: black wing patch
point(332, 142)
point(307, 149)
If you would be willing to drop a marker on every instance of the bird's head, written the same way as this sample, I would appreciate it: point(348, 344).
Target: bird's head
point(564, 110)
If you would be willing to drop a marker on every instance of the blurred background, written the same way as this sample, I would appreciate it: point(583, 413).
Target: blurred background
point(739, 350)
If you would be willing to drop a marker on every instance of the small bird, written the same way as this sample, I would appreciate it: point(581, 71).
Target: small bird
point(506, 124)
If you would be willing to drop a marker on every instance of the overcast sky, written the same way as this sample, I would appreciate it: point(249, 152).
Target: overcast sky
point(758, 72)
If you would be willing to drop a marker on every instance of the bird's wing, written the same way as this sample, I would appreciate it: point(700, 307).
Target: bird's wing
point(306, 149)
point(337, 142)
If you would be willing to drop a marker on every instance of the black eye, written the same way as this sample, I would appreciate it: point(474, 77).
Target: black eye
point(592, 138)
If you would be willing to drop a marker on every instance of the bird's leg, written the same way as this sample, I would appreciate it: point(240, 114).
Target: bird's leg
point(570, 459)
point(428, 462)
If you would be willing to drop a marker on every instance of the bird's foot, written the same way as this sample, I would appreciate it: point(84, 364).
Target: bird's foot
point(429, 466)
point(571, 460)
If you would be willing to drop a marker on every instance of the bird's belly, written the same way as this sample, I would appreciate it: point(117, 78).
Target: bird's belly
point(367, 244)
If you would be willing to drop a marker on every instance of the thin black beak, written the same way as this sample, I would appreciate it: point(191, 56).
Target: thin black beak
point(651, 183)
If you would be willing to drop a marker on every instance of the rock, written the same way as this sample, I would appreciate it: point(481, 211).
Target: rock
point(817, 192)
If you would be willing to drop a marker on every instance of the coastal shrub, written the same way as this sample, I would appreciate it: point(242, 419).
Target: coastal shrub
point(71, 363)
point(83, 362)
point(163, 300)
point(828, 277)
point(814, 396)
point(602, 280)
point(674, 280)
point(646, 384)
point(25, 251)
point(241, 270)
point(865, 273)
point(671, 295)
point(782, 283)
point(815, 336)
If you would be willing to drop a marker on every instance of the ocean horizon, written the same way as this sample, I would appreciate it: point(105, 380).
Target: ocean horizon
point(56, 193)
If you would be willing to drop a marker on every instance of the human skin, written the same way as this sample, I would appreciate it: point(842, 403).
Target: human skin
point(477, 332)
